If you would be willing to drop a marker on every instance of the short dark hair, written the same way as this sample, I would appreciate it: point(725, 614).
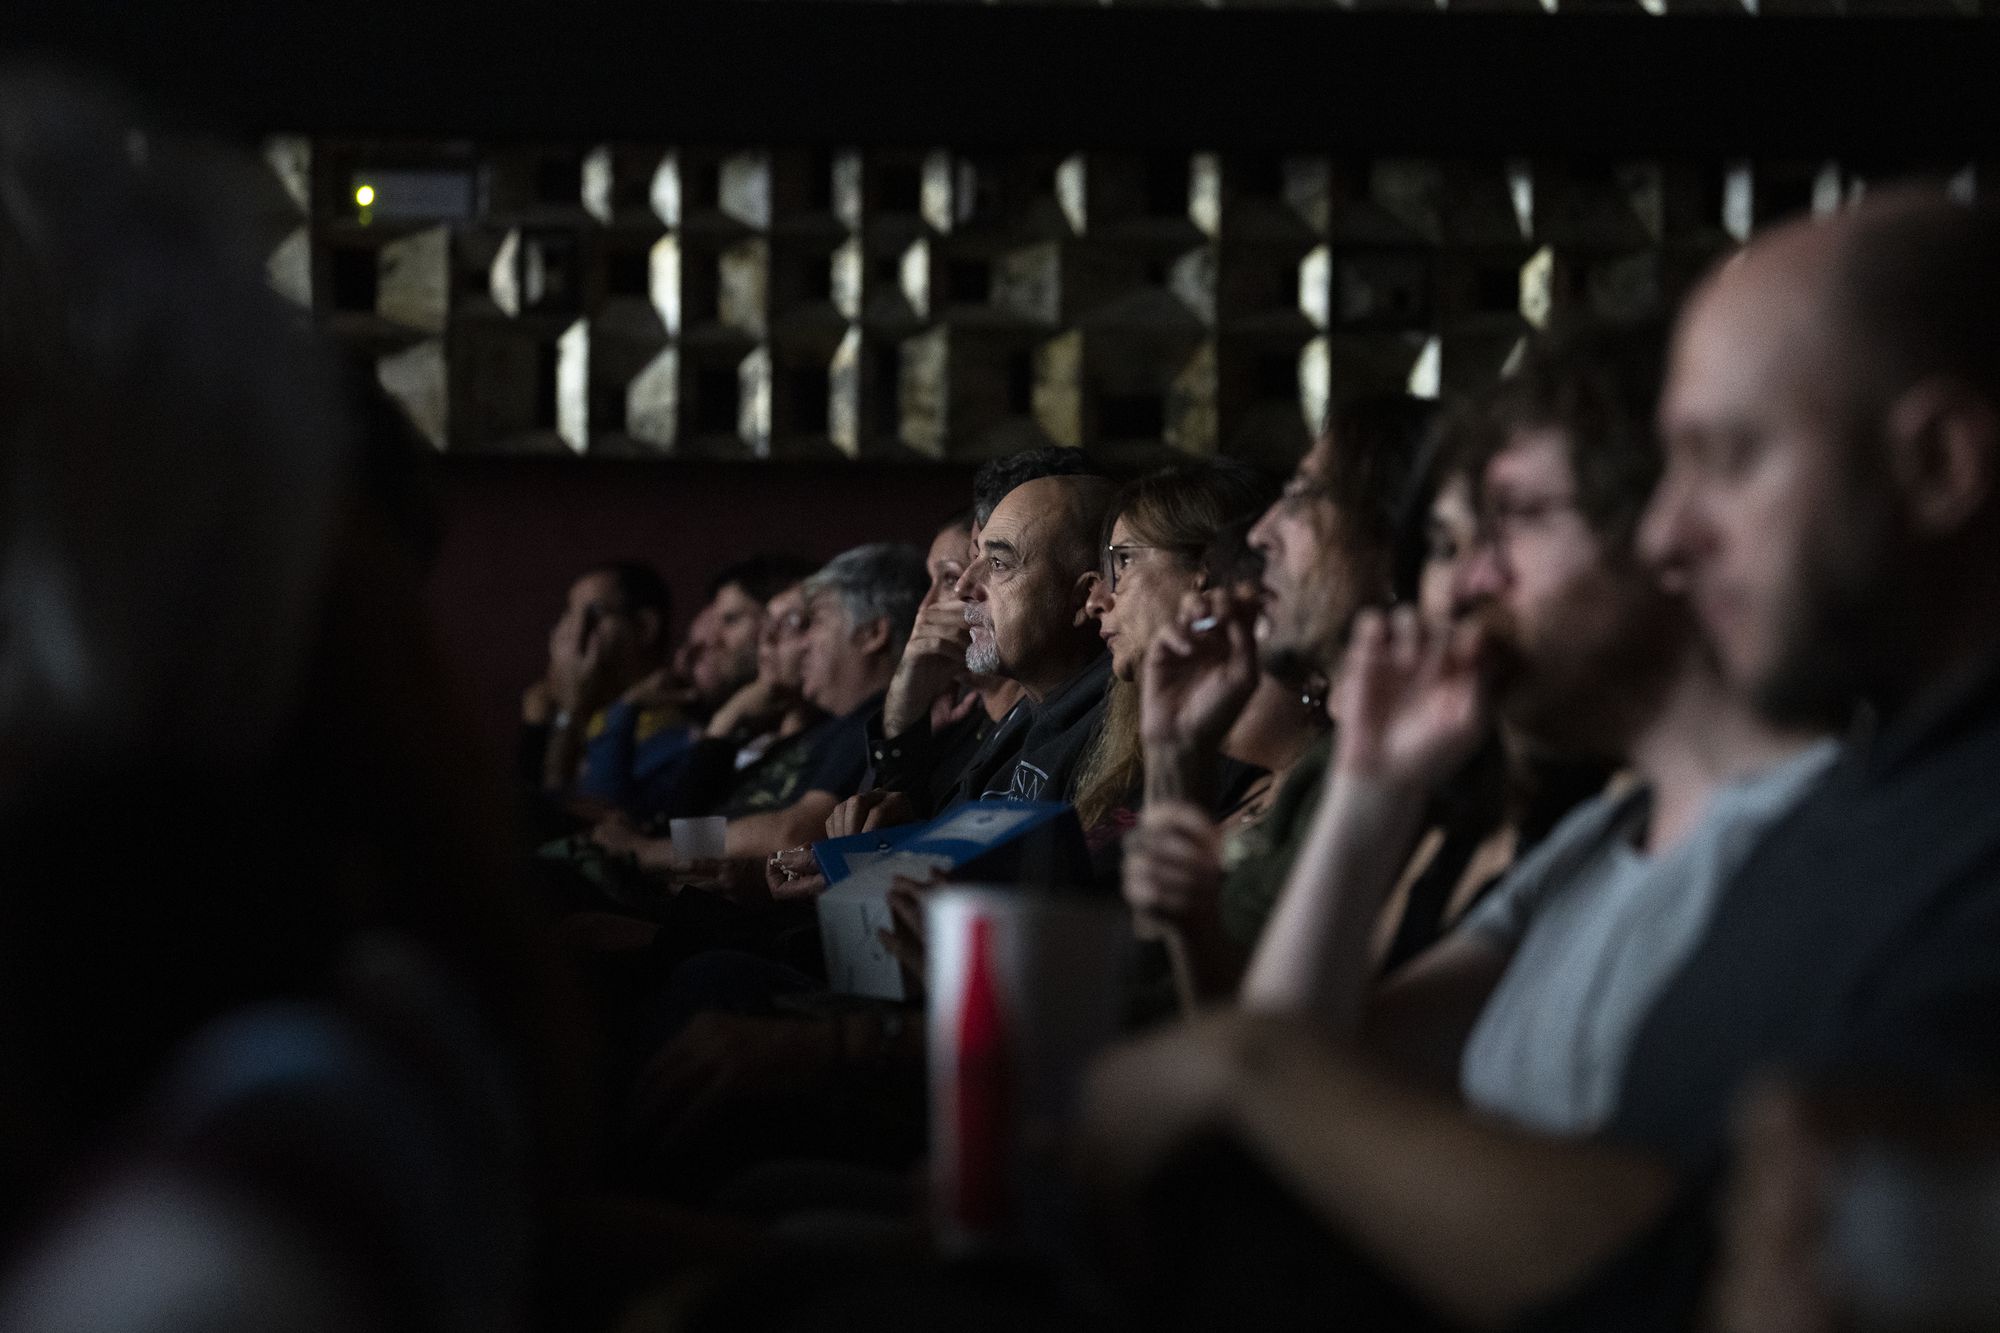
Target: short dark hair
point(1380, 443)
point(1442, 457)
point(1599, 385)
point(763, 577)
point(1230, 558)
point(997, 477)
point(640, 588)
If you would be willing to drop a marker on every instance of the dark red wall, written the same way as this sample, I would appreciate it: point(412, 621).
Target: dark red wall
point(518, 531)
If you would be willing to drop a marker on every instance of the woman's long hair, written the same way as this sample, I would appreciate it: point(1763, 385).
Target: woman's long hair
point(1180, 509)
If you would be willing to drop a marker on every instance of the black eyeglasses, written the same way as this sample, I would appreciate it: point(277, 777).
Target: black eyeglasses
point(1118, 558)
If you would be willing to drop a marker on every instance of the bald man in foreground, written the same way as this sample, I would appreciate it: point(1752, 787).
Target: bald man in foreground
point(1832, 507)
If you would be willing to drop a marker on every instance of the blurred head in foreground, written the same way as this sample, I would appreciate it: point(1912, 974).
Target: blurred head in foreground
point(1832, 431)
point(227, 759)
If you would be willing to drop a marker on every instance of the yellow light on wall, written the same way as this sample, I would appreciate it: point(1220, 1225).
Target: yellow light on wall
point(364, 195)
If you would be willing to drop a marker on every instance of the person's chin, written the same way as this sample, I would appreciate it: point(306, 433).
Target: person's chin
point(982, 655)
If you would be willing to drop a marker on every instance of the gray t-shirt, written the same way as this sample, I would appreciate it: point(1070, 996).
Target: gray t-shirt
point(1596, 928)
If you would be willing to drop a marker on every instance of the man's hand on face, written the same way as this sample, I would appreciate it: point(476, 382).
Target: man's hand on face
point(1412, 700)
point(584, 664)
point(607, 649)
point(1198, 675)
point(932, 662)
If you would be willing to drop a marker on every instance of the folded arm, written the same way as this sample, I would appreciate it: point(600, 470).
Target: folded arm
point(1480, 1221)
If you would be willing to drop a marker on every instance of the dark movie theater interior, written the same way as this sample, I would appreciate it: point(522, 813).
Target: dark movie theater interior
point(1147, 666)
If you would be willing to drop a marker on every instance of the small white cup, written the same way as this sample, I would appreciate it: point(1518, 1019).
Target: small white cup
point(697, 839)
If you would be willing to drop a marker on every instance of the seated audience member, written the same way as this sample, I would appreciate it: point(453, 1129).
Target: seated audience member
point(998, 477)
point(762, 719)
point(737, 597)
point(970, 705)
point(773, 706)
point(1025, 607)
point(726, 642)
point(1832, 433)
point(1173, 869)
point(612, 634)
point(934, 665)
point(1529, 1006)
point(857, 616)
point(631, 950)
point(274, 1025)
point(1154, 536)
point(1326, 550)
point(1512, 792)
point(1024, 593)
point(679, 679)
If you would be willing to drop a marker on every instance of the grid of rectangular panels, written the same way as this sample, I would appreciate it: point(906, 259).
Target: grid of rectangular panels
point(634, 299)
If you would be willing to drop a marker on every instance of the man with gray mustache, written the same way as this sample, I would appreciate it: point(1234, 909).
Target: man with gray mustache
point(1024, 595)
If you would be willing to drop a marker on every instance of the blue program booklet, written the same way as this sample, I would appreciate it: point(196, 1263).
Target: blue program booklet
point(1037, 842)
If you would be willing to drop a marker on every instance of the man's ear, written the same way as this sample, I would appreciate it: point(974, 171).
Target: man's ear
point(1943, 439)
point(1079, 598)
point(873, 637)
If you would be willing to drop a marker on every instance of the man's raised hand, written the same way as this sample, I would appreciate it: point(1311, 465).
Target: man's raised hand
point(1198, 674)
point(1412, 701)
point(932, 661)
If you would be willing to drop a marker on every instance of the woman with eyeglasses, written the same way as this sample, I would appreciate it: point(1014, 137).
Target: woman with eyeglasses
point(1158, 528)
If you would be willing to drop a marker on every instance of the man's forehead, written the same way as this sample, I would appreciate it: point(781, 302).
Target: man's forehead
point(732, 596)
point(949, 544)
point(596, 587)
point(1755, 331)
point(1534, 456)
point(1024, 516)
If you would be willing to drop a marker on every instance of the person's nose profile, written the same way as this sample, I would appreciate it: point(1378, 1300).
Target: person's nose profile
point(1670, 532)
point(1479, 576)
point(968, 584)
point(1100, 598)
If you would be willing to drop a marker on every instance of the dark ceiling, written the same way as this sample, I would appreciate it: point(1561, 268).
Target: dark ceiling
point(867, 73)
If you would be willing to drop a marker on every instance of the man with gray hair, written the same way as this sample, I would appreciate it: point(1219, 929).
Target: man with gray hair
point(857, 616)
